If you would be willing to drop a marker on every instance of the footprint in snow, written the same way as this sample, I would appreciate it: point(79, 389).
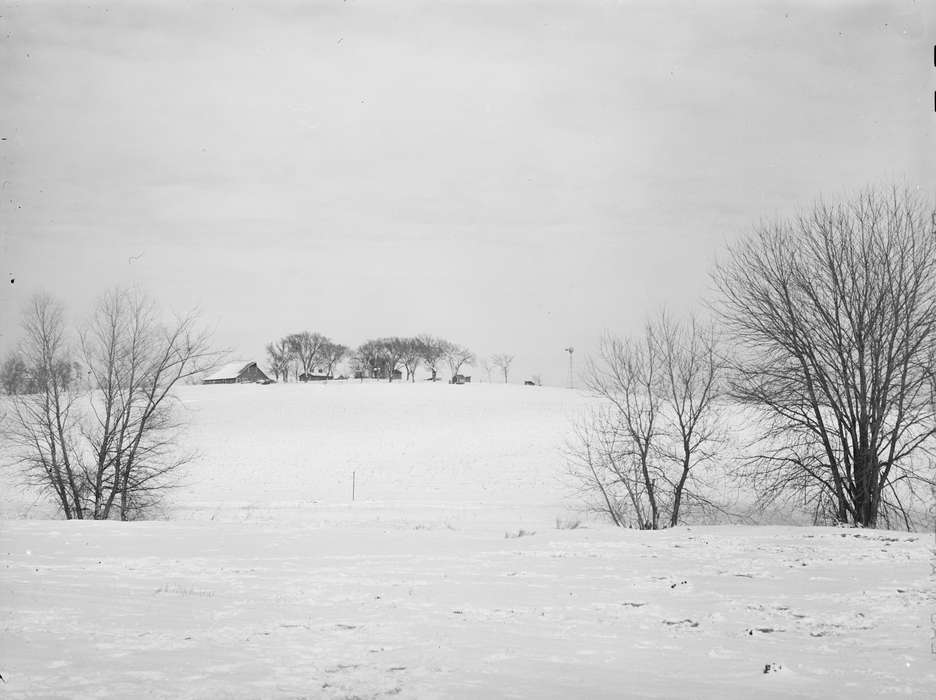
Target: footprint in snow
point(687, 621)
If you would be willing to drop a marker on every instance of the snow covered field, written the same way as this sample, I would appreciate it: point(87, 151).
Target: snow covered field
point(417, 451)
point(265, 580)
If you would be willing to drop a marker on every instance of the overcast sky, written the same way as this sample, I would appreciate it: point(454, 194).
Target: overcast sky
point(514, 176)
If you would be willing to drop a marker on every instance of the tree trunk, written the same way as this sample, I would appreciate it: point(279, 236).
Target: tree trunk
point(866, 488)
point(654, 524)
point(678, 492)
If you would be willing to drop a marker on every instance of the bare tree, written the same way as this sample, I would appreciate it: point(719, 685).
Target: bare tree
point(503, 362)
point(658, 422)
point(457, 356)
point(306, 348)
point(135, 361)
point(360, 366)
point(381, 357)
point(592, 454)
point(115, 456)
point(369, 358)
point(602, 460)
point(626, 375)
point(691, 386)
point(431, 352)
point(486, 366)
point(331, 356)
point(411, 356)
point(834, 314)
point(278, 359)
point(44, 421)
point(393, 349)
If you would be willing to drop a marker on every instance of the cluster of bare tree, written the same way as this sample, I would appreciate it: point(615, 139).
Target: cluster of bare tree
point(17, 377)
point(640, 450)
point(103, 446)
point(500, 362)
point(831, 323)
point(386, 357)
point(301, 354)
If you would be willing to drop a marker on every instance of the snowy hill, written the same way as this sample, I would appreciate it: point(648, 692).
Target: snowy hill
point(446, 576)
point(288, 451)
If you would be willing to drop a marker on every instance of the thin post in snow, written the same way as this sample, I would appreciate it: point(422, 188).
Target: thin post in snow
point(353, 477)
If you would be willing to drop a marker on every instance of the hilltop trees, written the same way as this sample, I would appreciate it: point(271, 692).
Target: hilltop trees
point(108, 451)
point(331, 355)
point(306, 349)
point(834, 317)
point(382, 358)
point(278, 359)
point(378, 358)
point(502, 362)
point(411, 357)
point(392, 351)
point(457, 356)
point(431, 352)
point(306, 352)
point(486, 366)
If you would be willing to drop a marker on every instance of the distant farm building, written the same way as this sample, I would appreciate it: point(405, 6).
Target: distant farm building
point(460, 379)
point(237, 373)
point(377, 372)
point(314, 376)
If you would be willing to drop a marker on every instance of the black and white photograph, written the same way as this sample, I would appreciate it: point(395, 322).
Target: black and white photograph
point(471, 349)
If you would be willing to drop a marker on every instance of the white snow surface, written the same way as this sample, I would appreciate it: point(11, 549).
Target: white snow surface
point(447, 577)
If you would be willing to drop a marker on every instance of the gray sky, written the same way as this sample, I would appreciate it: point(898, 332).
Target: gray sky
point(514, 176)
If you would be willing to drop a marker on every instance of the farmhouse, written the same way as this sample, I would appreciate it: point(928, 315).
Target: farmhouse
point(237, 373)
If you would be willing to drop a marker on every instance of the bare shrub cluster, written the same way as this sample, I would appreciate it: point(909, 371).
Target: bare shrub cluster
point(103, 446)
point(638, 452)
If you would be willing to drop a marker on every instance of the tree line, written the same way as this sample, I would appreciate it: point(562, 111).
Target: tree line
point(300, 355)
point(303, 353)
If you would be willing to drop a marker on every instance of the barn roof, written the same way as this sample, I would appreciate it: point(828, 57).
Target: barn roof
point(229, 371)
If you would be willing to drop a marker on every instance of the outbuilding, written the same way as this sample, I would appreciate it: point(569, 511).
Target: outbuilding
point(237, 373)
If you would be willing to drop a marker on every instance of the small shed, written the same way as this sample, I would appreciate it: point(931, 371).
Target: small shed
point(461, 379)
point(237, 373)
